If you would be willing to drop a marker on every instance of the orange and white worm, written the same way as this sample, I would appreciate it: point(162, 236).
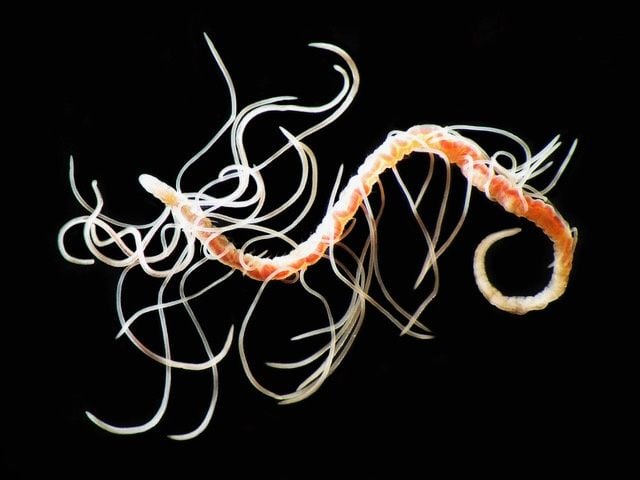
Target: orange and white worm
point(204, 218)
point(455, 149)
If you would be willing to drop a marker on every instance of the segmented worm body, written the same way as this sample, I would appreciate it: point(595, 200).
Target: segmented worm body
point(168, 247)
point(457, 150)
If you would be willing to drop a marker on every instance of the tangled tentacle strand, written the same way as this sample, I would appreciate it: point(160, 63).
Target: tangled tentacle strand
point(198, 227)
point(178, 225)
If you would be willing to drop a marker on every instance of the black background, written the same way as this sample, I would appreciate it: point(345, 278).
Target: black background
point(137, 92)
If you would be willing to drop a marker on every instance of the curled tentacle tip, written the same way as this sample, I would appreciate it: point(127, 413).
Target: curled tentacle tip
point(80, 261)
point(509, 232)
point(275, 365)
point(427, 337)
point(285, 132)
point(92, 417)
point(322, 45)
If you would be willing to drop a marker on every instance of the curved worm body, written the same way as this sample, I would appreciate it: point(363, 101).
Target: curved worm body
point(475, 165)
point(166, 248)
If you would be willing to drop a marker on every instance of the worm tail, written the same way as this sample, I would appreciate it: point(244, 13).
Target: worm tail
point(564, 240)
point(503, 187)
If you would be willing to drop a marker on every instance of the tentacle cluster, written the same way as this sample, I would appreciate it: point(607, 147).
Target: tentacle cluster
point(196, 228)
point(172, 238)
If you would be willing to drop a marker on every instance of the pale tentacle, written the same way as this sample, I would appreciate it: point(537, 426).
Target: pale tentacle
point(197, 224)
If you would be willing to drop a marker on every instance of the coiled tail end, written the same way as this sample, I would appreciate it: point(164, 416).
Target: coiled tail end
point(563, 257)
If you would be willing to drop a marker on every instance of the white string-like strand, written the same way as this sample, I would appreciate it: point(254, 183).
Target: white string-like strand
point(178, 239)
point(172, 247)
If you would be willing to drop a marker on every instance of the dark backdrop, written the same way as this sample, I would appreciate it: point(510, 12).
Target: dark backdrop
point(136, 91)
